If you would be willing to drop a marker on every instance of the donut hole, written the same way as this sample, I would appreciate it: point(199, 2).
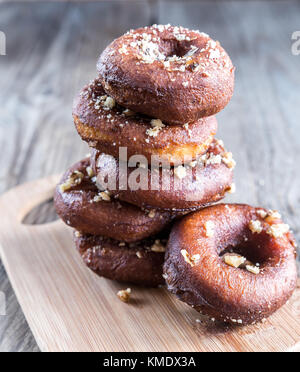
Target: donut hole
point(255, 248)
point(175, 48)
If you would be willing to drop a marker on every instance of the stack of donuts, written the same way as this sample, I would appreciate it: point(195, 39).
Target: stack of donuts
point(156, 166)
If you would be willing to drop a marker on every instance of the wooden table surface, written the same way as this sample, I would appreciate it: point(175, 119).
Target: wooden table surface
point(51, 53)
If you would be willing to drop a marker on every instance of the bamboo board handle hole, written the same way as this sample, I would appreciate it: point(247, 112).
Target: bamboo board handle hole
point(41, 214)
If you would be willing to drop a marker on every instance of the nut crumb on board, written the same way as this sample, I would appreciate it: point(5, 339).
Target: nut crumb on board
point(124, 294)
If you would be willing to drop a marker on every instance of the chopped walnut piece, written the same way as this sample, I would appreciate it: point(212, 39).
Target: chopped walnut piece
point(234, 259)
point(102, 196)
point(139, 254)
point(157, 123)
point(77, 234)
point(228, 160)
point(196, 258)
point(165, 276)
point(180, 172)
point(152, 213)
point(90, 172)
point(209, 228)
point(262, 213)
point(124, 294)
point(109, 103)
point(74, 179)
point(153, 132)
point(253, 269)
point(272, 216)
point(278, 230)
point(212, 159)
point(220, 143)
point(128, 112)
point(158, 247)
point(255, 226)
point(157, 126)
point(191, 260)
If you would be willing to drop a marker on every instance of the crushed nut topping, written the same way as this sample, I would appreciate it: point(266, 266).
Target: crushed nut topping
point(191, 260)
point(158, 247)
point(124, 294)
point(210, 229)
point(234, 259)
point(262, 213)
point(228, 160)
point(269, 216)
point(102, 196)
point(272, 216)
point(139, 254)
point(152, 213)
point(278, 230)
point(90, 172)
point(220, 143)
point(255, 227)
point(153, 132)
point(128, 112)
point(216, 159)
point(147, 49)
point(157, 123)
point(253, 269)
point(74, 179)
point(157, 126)
point(109, 103)
point(211, 159)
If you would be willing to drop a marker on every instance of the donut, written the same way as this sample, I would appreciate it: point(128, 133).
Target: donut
point(235, 263)
point(108, 126)
point(168, 73)
point(179, 189)
point(79, 204)
point(139, 263)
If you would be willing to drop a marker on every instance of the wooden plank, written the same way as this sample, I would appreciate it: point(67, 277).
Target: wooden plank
point(74, 310)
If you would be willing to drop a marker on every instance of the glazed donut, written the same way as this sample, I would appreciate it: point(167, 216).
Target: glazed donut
point(201, 183)
point(138, 263)
point(234, 263)
point(107, 126)
point(79, 204)
point(169, 73)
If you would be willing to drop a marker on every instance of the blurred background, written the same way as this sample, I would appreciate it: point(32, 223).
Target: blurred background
point(51, 52)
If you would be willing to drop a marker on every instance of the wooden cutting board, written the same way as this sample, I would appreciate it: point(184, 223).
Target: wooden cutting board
point(69, 308)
